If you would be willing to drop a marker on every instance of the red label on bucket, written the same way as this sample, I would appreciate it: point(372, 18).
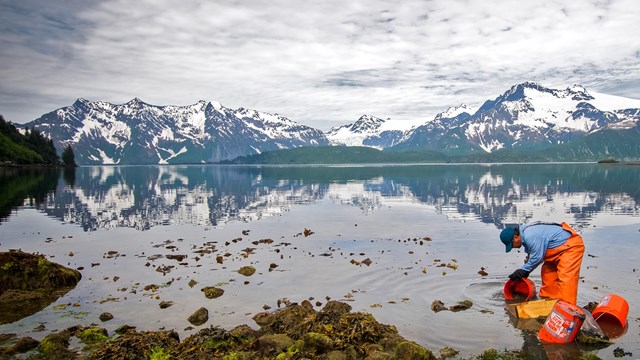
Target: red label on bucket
point(562, 324)
point(558, 326)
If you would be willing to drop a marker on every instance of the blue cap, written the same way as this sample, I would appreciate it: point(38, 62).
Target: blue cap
point(506, 236)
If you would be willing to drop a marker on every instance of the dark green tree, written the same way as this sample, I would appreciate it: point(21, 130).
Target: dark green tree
point(68, 158)
point(30, 147)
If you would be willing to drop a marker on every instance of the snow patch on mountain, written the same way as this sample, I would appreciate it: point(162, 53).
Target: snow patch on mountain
point(366, 131)
point(607, 102)
point(454, 111)
point(572, 109)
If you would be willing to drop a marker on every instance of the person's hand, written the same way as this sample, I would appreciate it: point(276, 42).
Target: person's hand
point(519, 274)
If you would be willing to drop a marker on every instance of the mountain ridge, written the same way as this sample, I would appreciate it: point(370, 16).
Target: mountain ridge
point(139, 133)
point(527, 117)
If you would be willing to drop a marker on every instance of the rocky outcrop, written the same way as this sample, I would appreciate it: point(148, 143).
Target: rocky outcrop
point(29, 283)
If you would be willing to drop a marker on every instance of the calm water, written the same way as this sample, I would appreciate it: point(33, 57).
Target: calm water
point(381, 213)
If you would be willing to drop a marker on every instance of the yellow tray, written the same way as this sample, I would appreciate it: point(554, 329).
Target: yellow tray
point(532, 309)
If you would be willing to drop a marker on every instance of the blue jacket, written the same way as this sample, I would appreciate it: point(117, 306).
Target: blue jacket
point(537, 238)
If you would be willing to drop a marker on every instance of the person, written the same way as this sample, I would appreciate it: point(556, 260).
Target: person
point(558, 247)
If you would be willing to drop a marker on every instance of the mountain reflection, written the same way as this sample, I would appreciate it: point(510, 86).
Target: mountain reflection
point(144, 196)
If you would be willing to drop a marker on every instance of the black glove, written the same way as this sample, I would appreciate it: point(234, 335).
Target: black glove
point(519, 274)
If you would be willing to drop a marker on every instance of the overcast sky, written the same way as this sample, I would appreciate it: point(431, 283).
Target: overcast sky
point(321, 63)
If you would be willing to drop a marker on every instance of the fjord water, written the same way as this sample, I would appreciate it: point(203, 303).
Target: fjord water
point(428, 230)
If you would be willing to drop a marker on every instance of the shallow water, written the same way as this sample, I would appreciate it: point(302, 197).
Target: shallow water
point(383, 213)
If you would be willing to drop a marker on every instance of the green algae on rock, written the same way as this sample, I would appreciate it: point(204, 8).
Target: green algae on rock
point(247, 270)
point(29, 283)
point(212, 292)
point(92, 335)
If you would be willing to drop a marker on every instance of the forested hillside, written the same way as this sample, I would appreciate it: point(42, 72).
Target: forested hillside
point(29, 148)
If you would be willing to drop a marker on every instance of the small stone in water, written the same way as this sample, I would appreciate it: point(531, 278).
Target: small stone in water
point(438, 306)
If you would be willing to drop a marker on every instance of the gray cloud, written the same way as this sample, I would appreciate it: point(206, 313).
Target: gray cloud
point(321, 63)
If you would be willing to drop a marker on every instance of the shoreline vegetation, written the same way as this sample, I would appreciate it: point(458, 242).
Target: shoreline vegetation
point(31, 148)
point(367, 155)
point(11, 164)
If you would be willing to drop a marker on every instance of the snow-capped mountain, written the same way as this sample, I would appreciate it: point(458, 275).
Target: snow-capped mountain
point(526, 117)
point(367, 131)
point(140, 133)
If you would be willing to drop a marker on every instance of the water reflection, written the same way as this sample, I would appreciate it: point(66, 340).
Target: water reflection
point(20, 186)
point(147, 196)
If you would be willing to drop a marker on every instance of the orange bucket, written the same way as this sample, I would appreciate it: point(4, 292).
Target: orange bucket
point(612, 308)
point(563, 324)
point(521, 289)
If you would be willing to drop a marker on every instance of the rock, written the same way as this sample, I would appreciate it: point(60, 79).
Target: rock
point(307, 304)
point(29, 283)
point(336, 308)
point(273, 344)
point(199, 317)
point(592, 305)
point(447, 352)
point(461, 305)
point(151, 287)
point(247, 270)
point(287, 319)
point(56, 345)
point(124, 329)
point(408, 350)
point(316, 342)
point(438, 306)
point(211, 292)
point(179, 258)
point(378, 355)
point(93, 335)
point(262, 318)
point(332, 310)
point(25, 344)
point(244, 333)
point(192, 283)
point(105, 316)
point(165, 304)
point(367, 261)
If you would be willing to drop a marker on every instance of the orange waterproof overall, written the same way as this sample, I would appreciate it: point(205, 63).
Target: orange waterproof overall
point(561, 269)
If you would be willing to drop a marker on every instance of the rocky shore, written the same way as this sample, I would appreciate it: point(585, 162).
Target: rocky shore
point(29, 282)
point(296, 331)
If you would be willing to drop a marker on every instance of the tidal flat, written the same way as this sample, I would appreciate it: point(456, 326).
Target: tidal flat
point(388, 241)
